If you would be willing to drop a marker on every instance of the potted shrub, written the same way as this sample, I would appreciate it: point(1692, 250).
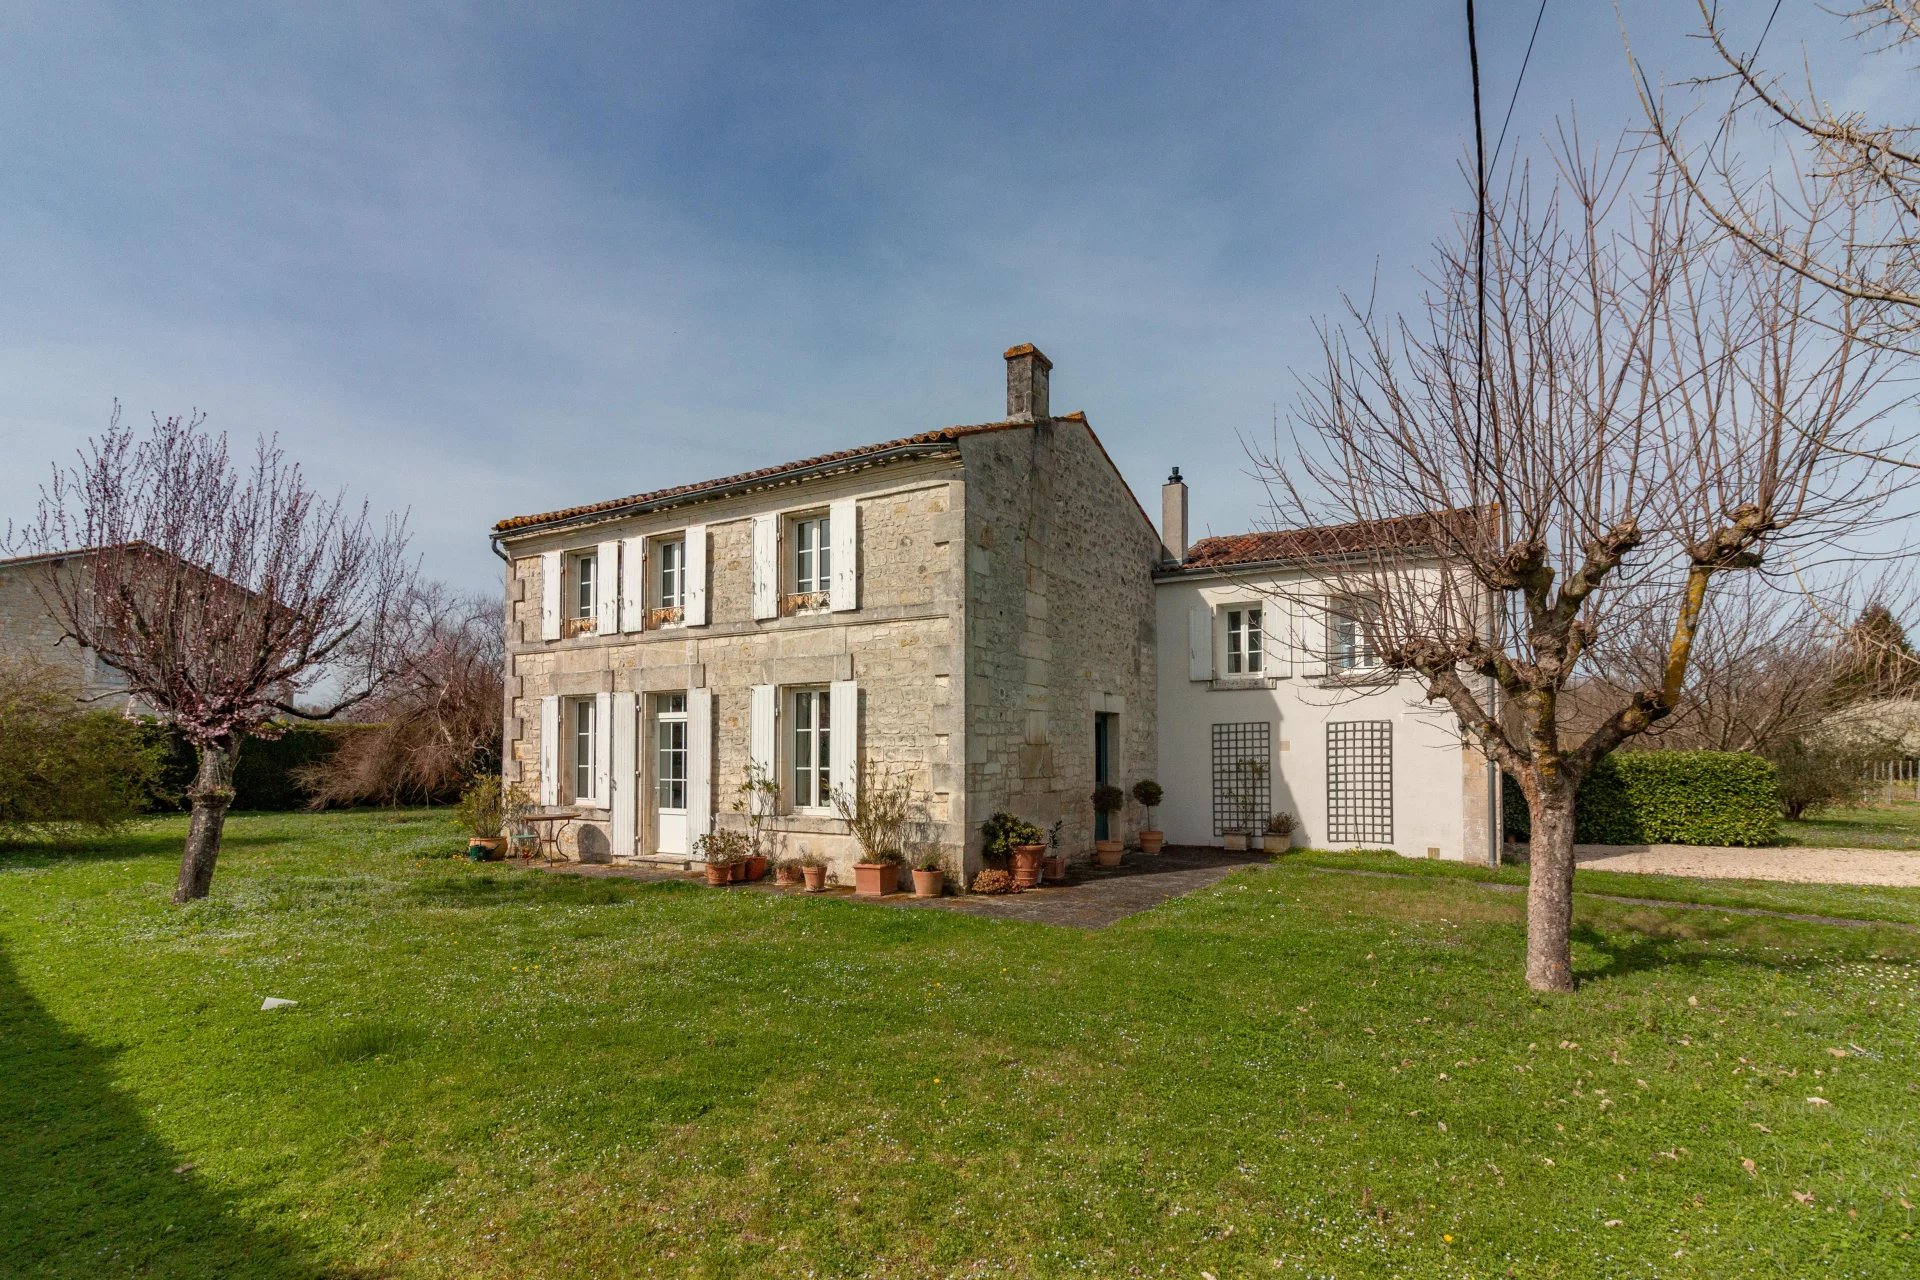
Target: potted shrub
point(1279, 833)
point(1017, 843)
point(1053, 867)
point(1249, 790)
point(880, 812)
point(1149, 795)
point(1107, 799)
point(724, 851)
point(482, 811)
point(813, 872)
point(754, 801)
point(786, 872)
point(929, 877)
point(993, 880)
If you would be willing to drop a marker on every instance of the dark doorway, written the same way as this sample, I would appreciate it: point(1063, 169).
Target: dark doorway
point(1103, 732)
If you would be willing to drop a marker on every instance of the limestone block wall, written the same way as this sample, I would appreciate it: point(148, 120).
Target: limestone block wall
point(1060, 624)
point(28, 631)
point(903, 644)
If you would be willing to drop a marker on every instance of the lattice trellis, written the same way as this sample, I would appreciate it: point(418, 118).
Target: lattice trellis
point(1360, 782)
point(1242, 776)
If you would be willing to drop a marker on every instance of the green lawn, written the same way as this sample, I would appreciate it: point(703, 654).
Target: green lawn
point(1875, 826)
point(494, 1072)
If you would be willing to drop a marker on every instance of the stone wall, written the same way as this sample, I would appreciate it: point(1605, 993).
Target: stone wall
point(902, 645)
point(28, 631)
point(1060, 624)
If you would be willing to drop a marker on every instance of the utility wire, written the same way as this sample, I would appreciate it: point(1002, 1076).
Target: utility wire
point(1520, 80)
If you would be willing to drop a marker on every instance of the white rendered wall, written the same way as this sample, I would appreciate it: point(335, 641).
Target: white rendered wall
point(1434, 776)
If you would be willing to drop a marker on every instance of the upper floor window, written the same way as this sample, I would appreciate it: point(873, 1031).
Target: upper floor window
point(1351, 620)
point(811, 748)
point(812, 554)
point(671, 579)
point(1243, 642)
point(582, 599)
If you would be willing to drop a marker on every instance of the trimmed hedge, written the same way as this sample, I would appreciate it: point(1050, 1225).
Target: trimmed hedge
point(264, 777)
point(1669, 797)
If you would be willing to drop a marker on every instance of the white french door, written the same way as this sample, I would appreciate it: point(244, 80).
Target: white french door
point(670, 773)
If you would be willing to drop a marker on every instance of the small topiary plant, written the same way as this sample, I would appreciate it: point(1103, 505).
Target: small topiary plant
point(1148, 795)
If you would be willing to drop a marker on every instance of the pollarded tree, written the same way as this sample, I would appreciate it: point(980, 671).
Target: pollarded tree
point(1654, 410)
point(224, 593)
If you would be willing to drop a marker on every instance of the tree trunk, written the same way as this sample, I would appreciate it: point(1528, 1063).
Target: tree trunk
point(211, 794)
point(1550, 892)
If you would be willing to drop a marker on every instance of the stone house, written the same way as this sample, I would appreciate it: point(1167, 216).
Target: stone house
point(29, 631)
point(971, 605)
point(987, 608)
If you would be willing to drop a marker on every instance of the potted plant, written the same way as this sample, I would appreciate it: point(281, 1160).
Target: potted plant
point(929, 876)
point(1249, 791)
point(1149, 795)
point(1107, 799)
point(1053, 867)
point(482, 811)
point(724, 851)
point(1279, 834)
point(880, 812)
point(813, 872)
point(786, 872)
point(1017, 843)
point(754, 801)
point(993, 880)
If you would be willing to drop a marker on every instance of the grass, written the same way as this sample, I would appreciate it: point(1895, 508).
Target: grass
point(494, 1072)
point(1879, 826)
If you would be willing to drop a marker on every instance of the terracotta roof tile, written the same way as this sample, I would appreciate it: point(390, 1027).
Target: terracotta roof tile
point(1304, 544)
point(725, 484)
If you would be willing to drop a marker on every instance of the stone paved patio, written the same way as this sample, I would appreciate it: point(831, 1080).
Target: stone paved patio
point(1091, 899)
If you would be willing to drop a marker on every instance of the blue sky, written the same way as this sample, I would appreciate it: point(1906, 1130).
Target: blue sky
point(480, 261)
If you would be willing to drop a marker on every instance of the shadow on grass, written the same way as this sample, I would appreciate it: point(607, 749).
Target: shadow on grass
point(90, 1190)
point(131, 843)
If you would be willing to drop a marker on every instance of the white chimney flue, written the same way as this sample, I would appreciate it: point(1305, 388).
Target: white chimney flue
point(1173, 516)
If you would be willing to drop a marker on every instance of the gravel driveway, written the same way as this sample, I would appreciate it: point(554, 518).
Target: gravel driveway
point(1804, 866)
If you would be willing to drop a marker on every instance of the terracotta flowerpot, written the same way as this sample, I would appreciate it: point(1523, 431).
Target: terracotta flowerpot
point(1236, 841)
point(737, 872)
point(756, 867)
point(786, 873)
point(928, 884)
point(1053, 869)
point(1152, 841)
point(1026, 864)
point(815, 877)
point(485, 848)
point(875, 879)
point(718, 874)
point(1107, 852)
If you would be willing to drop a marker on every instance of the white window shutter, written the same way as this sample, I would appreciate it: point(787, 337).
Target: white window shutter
point(550, 751)
point(606, 589)
point(694, 602)
point(760, 735)
point(843, 745)
point(1276, 622)
point(843, 523)
point(549, 595)
point(624, 790)
point(699, 763)
point(1200, 643)
point(633, 584)
point(602, 747)
point(1312, 611)
point(766, 567)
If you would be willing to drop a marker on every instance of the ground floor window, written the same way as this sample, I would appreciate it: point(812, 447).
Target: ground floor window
point(1360, 782)
point(811, 749)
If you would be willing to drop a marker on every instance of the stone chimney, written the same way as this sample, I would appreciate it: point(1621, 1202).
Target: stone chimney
point(1027, 371)
point(1173, 516)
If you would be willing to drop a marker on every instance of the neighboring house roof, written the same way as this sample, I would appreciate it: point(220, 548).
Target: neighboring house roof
point(927, 442)
point(55, 557)
point(1277, 545)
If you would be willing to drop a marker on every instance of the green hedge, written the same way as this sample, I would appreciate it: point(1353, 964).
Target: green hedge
point(1669, 797)
point(264, 778)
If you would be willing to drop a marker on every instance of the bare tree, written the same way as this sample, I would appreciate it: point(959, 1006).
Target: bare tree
point(437, 721)
point(1844, 210)
point(1663, 409)
point(222, 591)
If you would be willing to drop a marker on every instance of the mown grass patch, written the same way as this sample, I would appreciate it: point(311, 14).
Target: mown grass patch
point(495, 1072)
